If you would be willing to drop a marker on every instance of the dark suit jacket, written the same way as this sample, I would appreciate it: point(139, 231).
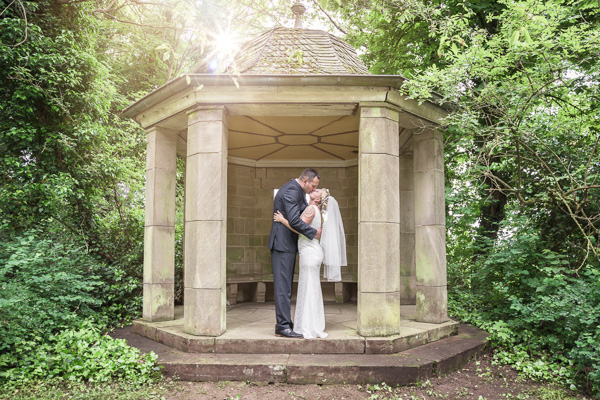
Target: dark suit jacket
point(291, 201)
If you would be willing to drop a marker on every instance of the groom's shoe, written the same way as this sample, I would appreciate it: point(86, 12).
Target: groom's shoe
point(287, 332)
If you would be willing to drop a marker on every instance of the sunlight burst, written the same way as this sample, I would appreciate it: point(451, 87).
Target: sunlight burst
point(224, 44)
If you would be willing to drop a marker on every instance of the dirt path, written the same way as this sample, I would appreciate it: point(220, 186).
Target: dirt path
point(478, 380)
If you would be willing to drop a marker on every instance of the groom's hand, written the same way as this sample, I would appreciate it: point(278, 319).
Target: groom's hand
point(318, 235)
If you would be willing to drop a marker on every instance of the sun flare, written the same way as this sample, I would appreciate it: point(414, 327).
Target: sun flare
point(224, 45)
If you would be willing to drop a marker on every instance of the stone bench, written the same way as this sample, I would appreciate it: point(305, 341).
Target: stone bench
point(258, 288)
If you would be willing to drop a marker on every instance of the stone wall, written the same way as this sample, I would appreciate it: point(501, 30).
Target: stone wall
point(249, 216)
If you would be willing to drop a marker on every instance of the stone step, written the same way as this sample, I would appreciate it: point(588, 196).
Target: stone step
point(250, 330)
point(263, 341)
point(405, 367)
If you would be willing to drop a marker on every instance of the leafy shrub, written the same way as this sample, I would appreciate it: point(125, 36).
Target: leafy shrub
point(50, 285)
point(80, 355)
point(542, 317)
point(121, 294)
point(47, 286)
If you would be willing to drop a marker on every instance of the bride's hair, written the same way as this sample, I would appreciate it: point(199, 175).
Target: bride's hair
point(324, 194)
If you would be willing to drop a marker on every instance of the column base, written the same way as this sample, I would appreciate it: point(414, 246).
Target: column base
point(204, 311)
point(432, 304)
point(158, 302)
point(378, 314)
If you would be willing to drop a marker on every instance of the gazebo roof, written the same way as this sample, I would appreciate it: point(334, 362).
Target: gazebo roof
point(297, 51)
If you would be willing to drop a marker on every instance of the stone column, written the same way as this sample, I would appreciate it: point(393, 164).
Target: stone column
point(408, 286)
point(159, 232)
point(378, 221)
point(205, 295)
point(430, 227)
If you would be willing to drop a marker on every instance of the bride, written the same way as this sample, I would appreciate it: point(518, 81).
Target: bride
point(309, 318)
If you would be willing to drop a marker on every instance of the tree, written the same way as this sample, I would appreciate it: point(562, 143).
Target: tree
point(520, 81)
point(527, 95)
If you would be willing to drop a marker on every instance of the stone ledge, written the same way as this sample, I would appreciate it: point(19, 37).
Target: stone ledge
point(404, 368)
point(239, 367)
point(289, 346)
point(394, 369)
point(412, 335)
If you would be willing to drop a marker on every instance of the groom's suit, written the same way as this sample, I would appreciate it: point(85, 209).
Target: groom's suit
point(291, 201)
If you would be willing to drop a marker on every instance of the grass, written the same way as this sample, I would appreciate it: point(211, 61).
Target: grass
point(79, 391)
point(552, 393)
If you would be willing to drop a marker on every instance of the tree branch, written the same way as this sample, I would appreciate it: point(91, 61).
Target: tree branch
point(24, 13)
point(329, 17)
point(134, 23)
point(67, 2)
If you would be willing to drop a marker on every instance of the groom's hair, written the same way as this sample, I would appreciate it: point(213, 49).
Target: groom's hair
point(309, 174)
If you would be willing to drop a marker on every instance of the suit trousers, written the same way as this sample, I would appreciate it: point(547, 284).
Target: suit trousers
point(283, 276)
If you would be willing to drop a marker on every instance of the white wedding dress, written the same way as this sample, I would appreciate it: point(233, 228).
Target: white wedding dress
point(309, 318)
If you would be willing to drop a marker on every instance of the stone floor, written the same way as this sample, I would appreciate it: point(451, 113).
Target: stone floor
point(250, 330)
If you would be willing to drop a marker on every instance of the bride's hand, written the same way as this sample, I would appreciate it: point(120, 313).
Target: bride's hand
point(278, 216)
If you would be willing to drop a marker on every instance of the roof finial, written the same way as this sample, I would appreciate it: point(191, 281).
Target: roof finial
point(298, 9)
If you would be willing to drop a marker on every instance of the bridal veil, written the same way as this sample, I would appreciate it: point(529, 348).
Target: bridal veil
point(333, 241)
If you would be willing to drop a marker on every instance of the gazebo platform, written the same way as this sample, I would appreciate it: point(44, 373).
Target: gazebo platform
point(249, 350)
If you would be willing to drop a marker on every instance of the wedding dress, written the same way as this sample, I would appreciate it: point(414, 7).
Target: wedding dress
point(309, 318)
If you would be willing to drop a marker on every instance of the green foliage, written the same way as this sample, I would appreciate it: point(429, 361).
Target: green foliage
point(50, 283)
point(81, 355)
point(46, 286)
point(50, 286)
point(542, 318)
point(52, 390)
point(71, 184)
point(65, 153)
point(523, 111)
point(552, 393)
point(380, 391)
point(400, 37)
point(179, 231)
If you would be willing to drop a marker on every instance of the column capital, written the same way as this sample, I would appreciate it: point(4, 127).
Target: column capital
point(379, 109)
point(161, 149)
point(207, 113)
point(155, 128)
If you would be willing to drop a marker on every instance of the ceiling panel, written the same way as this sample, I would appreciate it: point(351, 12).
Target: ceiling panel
point(343, 152)
point(348, 123)
point(296, 140)
point(255, 153)
point(300, 153)
point(292, 137)
point(243, 123)
point(241, 139)
point(298, 125)
point(345, 138)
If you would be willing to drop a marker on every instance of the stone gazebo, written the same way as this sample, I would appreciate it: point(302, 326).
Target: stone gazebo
point(294, 98)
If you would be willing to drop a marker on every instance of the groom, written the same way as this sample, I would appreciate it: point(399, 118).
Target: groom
point(291, 201)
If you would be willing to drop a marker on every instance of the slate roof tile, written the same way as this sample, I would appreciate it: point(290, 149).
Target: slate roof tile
point(297, 51)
